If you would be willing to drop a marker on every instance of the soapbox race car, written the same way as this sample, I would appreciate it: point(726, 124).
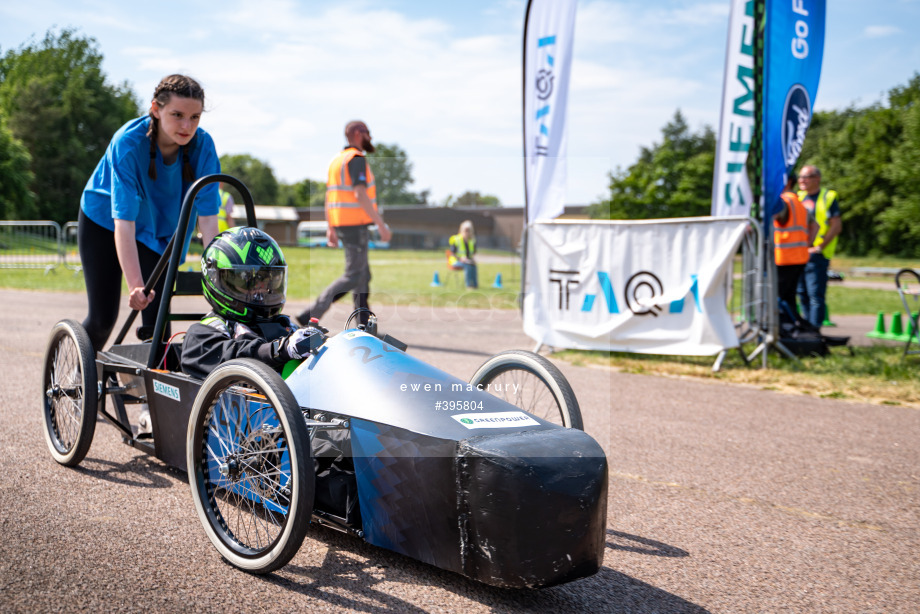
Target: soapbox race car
point(492, 478)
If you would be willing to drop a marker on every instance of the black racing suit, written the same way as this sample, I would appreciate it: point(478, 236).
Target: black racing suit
point(214, 340)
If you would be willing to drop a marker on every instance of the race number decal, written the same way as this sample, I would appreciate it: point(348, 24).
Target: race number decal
point(495, 420)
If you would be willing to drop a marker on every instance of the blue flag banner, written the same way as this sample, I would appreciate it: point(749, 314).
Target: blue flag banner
point(793, 50)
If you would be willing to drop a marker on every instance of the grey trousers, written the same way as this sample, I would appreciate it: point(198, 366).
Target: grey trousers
point(356, 278)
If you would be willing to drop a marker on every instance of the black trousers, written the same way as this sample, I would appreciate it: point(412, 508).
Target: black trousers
point(103, 276)
point(356, 278)
point(787, 280)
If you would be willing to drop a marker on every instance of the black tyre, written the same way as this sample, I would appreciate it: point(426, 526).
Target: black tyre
point(69, 393)
point(532, 383)
point(250, 466)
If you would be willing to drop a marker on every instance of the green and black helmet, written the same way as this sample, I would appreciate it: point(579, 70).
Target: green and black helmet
point(244, 275)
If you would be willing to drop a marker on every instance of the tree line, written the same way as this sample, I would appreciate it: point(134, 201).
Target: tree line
point(58, 112)
point(869, 155)
point(392, 174)
point(57, 115)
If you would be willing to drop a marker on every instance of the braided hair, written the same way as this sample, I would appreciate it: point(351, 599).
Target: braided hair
point(183, 86)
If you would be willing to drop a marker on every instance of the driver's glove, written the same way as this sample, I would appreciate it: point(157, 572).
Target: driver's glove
point(301, 343)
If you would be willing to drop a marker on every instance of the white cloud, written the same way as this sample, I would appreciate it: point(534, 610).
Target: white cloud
point(881, 31)
point(704, 14)
point(283, 77)
point(452, 102)
point(285, 94)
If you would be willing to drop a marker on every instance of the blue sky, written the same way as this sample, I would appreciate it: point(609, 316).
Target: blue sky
point(443, 79)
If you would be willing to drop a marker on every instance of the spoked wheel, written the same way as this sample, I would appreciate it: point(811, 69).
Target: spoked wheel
point(69, 393)
point(250, 466)
point(532, 383)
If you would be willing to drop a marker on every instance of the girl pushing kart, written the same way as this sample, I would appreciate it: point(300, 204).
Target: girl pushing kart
point(131, 203)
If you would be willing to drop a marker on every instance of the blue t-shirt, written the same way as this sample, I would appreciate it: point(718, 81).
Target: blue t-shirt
point(120, 187)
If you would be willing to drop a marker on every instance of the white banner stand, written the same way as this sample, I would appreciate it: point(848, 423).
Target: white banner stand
point(649, 286)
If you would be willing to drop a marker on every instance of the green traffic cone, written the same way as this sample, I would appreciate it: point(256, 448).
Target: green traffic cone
point(879, 332)
point(897, 325)
point(912, 330)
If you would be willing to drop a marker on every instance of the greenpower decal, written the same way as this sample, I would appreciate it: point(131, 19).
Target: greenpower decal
point(495, 420)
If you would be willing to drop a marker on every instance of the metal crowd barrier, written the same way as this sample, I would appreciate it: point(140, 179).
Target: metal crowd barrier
point(30, 245)
point(70, 254)
point(746, 299)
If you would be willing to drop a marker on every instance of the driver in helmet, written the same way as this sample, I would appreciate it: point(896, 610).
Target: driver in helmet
point(244, 278)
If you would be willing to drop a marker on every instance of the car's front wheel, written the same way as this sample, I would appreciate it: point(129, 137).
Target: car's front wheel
point(250, 466)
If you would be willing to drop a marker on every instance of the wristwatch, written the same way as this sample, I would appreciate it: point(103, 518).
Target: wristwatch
point(276, 349)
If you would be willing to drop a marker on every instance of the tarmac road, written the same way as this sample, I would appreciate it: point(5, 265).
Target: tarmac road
point(722, 498)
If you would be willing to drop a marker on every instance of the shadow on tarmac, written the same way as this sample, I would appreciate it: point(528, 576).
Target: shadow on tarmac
point(652, 548)
point(352, 569)
point(342, 580)
point(141, 471)
point(358, 576)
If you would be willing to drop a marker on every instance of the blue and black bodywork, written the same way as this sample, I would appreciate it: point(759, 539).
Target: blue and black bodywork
point(495, 494)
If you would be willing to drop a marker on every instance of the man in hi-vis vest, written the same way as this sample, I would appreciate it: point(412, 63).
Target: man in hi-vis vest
point(794, 232)
point(826, 208)
point(351, 206)
point(225, 215)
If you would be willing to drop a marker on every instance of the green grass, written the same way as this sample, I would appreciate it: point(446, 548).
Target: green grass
point(857, 301)
point(872, 374)
point(842, 300)
point(399, 277)
point(404, 277)
point(20, 243)
point(844, 263)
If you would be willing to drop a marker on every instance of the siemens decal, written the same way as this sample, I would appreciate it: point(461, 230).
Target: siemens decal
point(166, 390)
point(731, 191)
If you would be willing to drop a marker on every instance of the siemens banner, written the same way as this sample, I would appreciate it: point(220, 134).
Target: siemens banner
point(549, 30)
point(731, 190)
point(650, 286)
point(793, 50)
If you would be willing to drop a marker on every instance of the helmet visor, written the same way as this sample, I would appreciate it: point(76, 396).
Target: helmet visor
point(255, 285)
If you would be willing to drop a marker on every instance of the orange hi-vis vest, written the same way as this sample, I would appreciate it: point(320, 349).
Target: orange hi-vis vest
point(791, 240)
point(342, 206)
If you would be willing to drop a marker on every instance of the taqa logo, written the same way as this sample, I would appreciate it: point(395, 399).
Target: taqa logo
point(544, 90)
point(643, 293)
point(544, 83)
point(796, 117)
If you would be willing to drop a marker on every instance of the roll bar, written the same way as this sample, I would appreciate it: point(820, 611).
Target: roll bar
point(169, 261)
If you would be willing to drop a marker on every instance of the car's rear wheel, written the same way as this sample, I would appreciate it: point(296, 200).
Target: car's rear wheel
point(531, 382)
point(250, 466)
point(69, 393)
